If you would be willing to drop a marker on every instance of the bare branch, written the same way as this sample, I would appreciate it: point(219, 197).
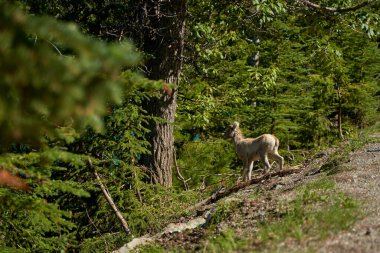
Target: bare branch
point(111, 202)
point(55, 47)
point(180, 176)
point(333, 10)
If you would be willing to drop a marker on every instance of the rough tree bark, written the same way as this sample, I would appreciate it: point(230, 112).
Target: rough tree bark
point(163, 24)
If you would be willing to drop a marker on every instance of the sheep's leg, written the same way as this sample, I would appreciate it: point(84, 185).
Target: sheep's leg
point(250, 164)
point(245, 170)
point(279, 159)
point(267, 166)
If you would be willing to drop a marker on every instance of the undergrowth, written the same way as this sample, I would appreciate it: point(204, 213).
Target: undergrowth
point(150, 216)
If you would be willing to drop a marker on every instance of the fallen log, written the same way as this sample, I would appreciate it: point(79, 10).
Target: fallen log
point(225, 192)
point(171, 228)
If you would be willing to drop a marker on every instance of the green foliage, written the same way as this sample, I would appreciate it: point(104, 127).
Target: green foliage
point(54, 76)
point(33, 225)
point(147, 208)
point(64, 81)
point(206, 163)
point(56, 81)
point(34, 221)
point(225, 242)
point(293, 90)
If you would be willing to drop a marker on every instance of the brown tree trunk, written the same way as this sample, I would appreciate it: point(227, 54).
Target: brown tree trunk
point(163, 40)
point(161, 159)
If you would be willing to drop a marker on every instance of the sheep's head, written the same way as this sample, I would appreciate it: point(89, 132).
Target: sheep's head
point(230, 132)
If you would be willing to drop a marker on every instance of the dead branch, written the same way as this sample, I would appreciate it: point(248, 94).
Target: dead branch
point(112, 204)
point(180, 176)
point(223, 193)
point(333, 10)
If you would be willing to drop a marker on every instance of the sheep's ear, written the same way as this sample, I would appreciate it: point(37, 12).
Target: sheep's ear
point(236, 124)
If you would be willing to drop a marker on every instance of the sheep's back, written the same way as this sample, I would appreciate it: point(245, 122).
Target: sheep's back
point(265, 142)
point(254, 147)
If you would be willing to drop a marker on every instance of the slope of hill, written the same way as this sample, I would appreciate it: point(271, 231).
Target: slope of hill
point(331, 205)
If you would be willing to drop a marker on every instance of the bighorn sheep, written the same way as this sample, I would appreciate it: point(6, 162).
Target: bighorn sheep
point(254, 149)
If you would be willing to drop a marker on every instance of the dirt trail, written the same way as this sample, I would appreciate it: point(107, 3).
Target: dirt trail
point(362, 181)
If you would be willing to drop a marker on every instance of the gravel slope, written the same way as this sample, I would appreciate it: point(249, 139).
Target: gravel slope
point(362, 181)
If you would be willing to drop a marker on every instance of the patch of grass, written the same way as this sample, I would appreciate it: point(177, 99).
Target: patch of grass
point(342, 153)
point(255, 194)
point(375, 128)
point(317, 211)
point(223, 210)
point(225, 242)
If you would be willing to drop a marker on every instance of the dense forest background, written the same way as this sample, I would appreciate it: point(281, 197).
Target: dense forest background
point(134, 96)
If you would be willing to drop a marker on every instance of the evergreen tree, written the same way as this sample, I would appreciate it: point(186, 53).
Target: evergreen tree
point(158, 29)
point(55, 80)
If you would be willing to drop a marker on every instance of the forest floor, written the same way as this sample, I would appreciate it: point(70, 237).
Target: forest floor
point(331, 205)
